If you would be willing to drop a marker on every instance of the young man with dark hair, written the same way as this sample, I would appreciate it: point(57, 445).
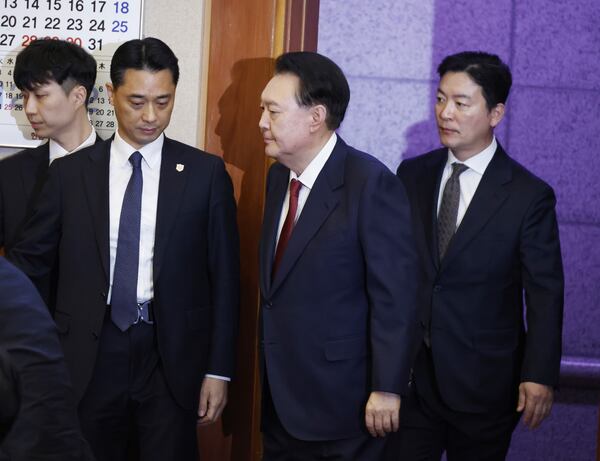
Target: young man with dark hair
point(56, 78)
point(337, 274)
point(487, 237)
point(149, 270)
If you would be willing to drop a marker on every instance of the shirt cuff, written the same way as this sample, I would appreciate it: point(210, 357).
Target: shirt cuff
point(222, 378)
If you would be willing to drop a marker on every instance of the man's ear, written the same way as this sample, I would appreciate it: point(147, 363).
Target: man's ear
point(79, 95)
point(496, 114)
point(318, 116)
point(110, 90)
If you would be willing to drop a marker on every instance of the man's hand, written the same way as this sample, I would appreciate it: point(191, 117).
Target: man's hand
point(382, 414)
point(535, 401)
point(213, 397)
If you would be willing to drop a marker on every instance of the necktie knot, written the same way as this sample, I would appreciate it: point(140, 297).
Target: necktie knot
point(136, 160)
point(295, 187)
point(458, 169)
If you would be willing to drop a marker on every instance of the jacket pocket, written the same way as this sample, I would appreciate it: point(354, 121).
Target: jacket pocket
point(502, 339)
point(345, 349)
point(198, 319)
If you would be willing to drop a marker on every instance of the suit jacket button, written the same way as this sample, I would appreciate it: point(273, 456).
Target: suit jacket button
point(95, 335)
point(268, 304)
point(437, 288)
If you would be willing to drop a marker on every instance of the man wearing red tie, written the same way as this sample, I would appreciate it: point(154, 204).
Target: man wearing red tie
point(338, 280)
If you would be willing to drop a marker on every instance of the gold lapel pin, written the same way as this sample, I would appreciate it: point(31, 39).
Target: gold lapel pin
point(179, 167)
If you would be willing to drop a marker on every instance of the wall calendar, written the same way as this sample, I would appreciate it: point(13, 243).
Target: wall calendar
point(98, 26)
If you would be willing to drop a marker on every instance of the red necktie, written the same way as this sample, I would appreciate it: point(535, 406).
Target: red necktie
point(288, 224)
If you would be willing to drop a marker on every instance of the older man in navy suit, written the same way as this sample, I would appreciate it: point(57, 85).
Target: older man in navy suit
point(338, 276)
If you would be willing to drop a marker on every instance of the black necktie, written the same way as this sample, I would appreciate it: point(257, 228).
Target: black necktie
point(449, 208)
point(124, 310)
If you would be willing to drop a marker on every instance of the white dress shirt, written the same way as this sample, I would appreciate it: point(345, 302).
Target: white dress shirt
point(469, 179)
point(119, 174)
point(307, 178)
point(58, 151)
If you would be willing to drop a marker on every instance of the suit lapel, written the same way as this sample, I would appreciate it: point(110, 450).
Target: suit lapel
point(278, 182)
point(95, 176)
point(170, 190)
point(489, 196)
point(322, 200)
point(429, 185)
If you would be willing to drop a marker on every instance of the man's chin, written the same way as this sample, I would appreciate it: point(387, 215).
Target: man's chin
point(271, 153)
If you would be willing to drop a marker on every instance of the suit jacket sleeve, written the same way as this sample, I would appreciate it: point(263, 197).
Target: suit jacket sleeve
point(543, 282)
point(224, 267)
point(391, 278)
point(36, 250)
point(46, 426)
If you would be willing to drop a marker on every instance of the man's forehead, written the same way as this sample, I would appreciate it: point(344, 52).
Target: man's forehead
point(280, 86)
point(138, 77)
point(43, 85)
point(458, 84)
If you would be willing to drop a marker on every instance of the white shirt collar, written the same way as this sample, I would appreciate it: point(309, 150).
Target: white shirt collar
point(58, 151)
point(311, 172)
point(478, 162)
point(121, 151)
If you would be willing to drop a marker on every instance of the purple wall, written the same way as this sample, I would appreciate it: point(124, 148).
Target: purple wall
point(389, 50)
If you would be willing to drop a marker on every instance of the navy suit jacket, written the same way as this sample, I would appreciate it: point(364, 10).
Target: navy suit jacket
point(338, 317)
point(45, 427)
point(196, 262)
point(506, 248)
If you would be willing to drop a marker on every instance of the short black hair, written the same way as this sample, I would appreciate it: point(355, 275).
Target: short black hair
point(49, 60)
point(485, 69)
point(149, 54)
point(321, 82)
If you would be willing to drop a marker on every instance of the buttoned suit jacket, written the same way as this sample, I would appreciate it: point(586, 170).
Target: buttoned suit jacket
point(339, 314)
point(506, 249)
point(195, 262)
point(45, 426)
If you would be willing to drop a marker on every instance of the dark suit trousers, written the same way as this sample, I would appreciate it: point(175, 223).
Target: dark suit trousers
point(428, 427)
point(128, 407)
point(279, 445)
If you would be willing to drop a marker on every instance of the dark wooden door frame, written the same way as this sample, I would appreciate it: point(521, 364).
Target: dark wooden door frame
point(245, 37)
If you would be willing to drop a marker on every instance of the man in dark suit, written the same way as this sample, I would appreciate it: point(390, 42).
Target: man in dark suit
point(146, 234)
point(38, 417)
point(338, 276)
point(56, 78)
point(487, 237)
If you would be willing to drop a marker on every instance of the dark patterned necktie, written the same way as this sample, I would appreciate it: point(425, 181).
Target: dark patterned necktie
point(124, 311)
point(288, 224)
point(449, 208)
